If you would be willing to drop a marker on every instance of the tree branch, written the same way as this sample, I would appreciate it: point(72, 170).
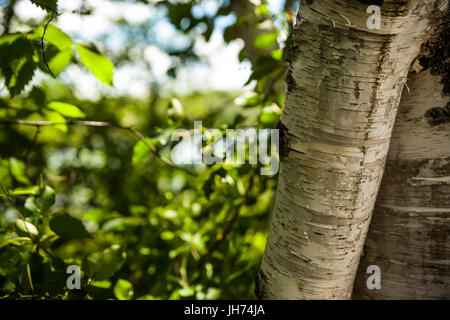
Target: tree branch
point(135, 132)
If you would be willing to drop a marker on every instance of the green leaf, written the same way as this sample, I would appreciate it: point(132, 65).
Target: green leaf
point(99, 64)
point(177, 107)
point(265, 65)
point(141, 151)
point(68, 228)
point(266, 40)
point(148, 297)
point(277, 54)
point(167, 235)
point(17, 63)
point(10, 38)
point(49, 5)
point(102, 265)
point(55, 36)
point(55, 117)
point(31, 190)
point(119, 224)
point(212, 294)
point(46, 199)
point(97, 215)
point(209, 185)
point(269, 116)
point(24, 228)
point(38, 96)
point(262, 10)
point(60, 61)
point(66, 109)
point(41, 203)
point(18, 170)
point(123, 290)
point(105, 284)
point(186, 291)
point(5, 174)
point(60, 41)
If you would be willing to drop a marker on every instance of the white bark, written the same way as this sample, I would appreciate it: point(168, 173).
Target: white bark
point(408, 236)
point(344, 87)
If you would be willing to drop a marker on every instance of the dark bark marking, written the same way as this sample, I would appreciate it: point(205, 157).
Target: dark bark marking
point(290, 81)
point(284, 139)
point(357, 91)
point(373, 98)
point(436, 52)
point(437, 116)
point(260, 279)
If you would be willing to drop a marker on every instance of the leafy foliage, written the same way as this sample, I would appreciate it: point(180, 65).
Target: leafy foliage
point(18, 62)
point(99, 198)
point(21, 54)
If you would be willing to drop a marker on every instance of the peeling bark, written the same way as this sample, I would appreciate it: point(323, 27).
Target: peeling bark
point(344, 86)
point(408, 236)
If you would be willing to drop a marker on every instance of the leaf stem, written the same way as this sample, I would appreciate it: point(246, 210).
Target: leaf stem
point(42, 44)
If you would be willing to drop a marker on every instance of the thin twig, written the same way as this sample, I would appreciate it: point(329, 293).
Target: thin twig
point(42, 44)
point(135, 132)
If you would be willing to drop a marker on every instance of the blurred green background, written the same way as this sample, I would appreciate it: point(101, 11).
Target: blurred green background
point(97, 197)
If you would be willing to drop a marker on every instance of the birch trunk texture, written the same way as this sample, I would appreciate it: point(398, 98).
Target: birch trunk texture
point(408, 235)
point(344, 86)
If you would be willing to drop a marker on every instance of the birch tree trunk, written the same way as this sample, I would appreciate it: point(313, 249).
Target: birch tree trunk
point(408, 235)
point(344, 86)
